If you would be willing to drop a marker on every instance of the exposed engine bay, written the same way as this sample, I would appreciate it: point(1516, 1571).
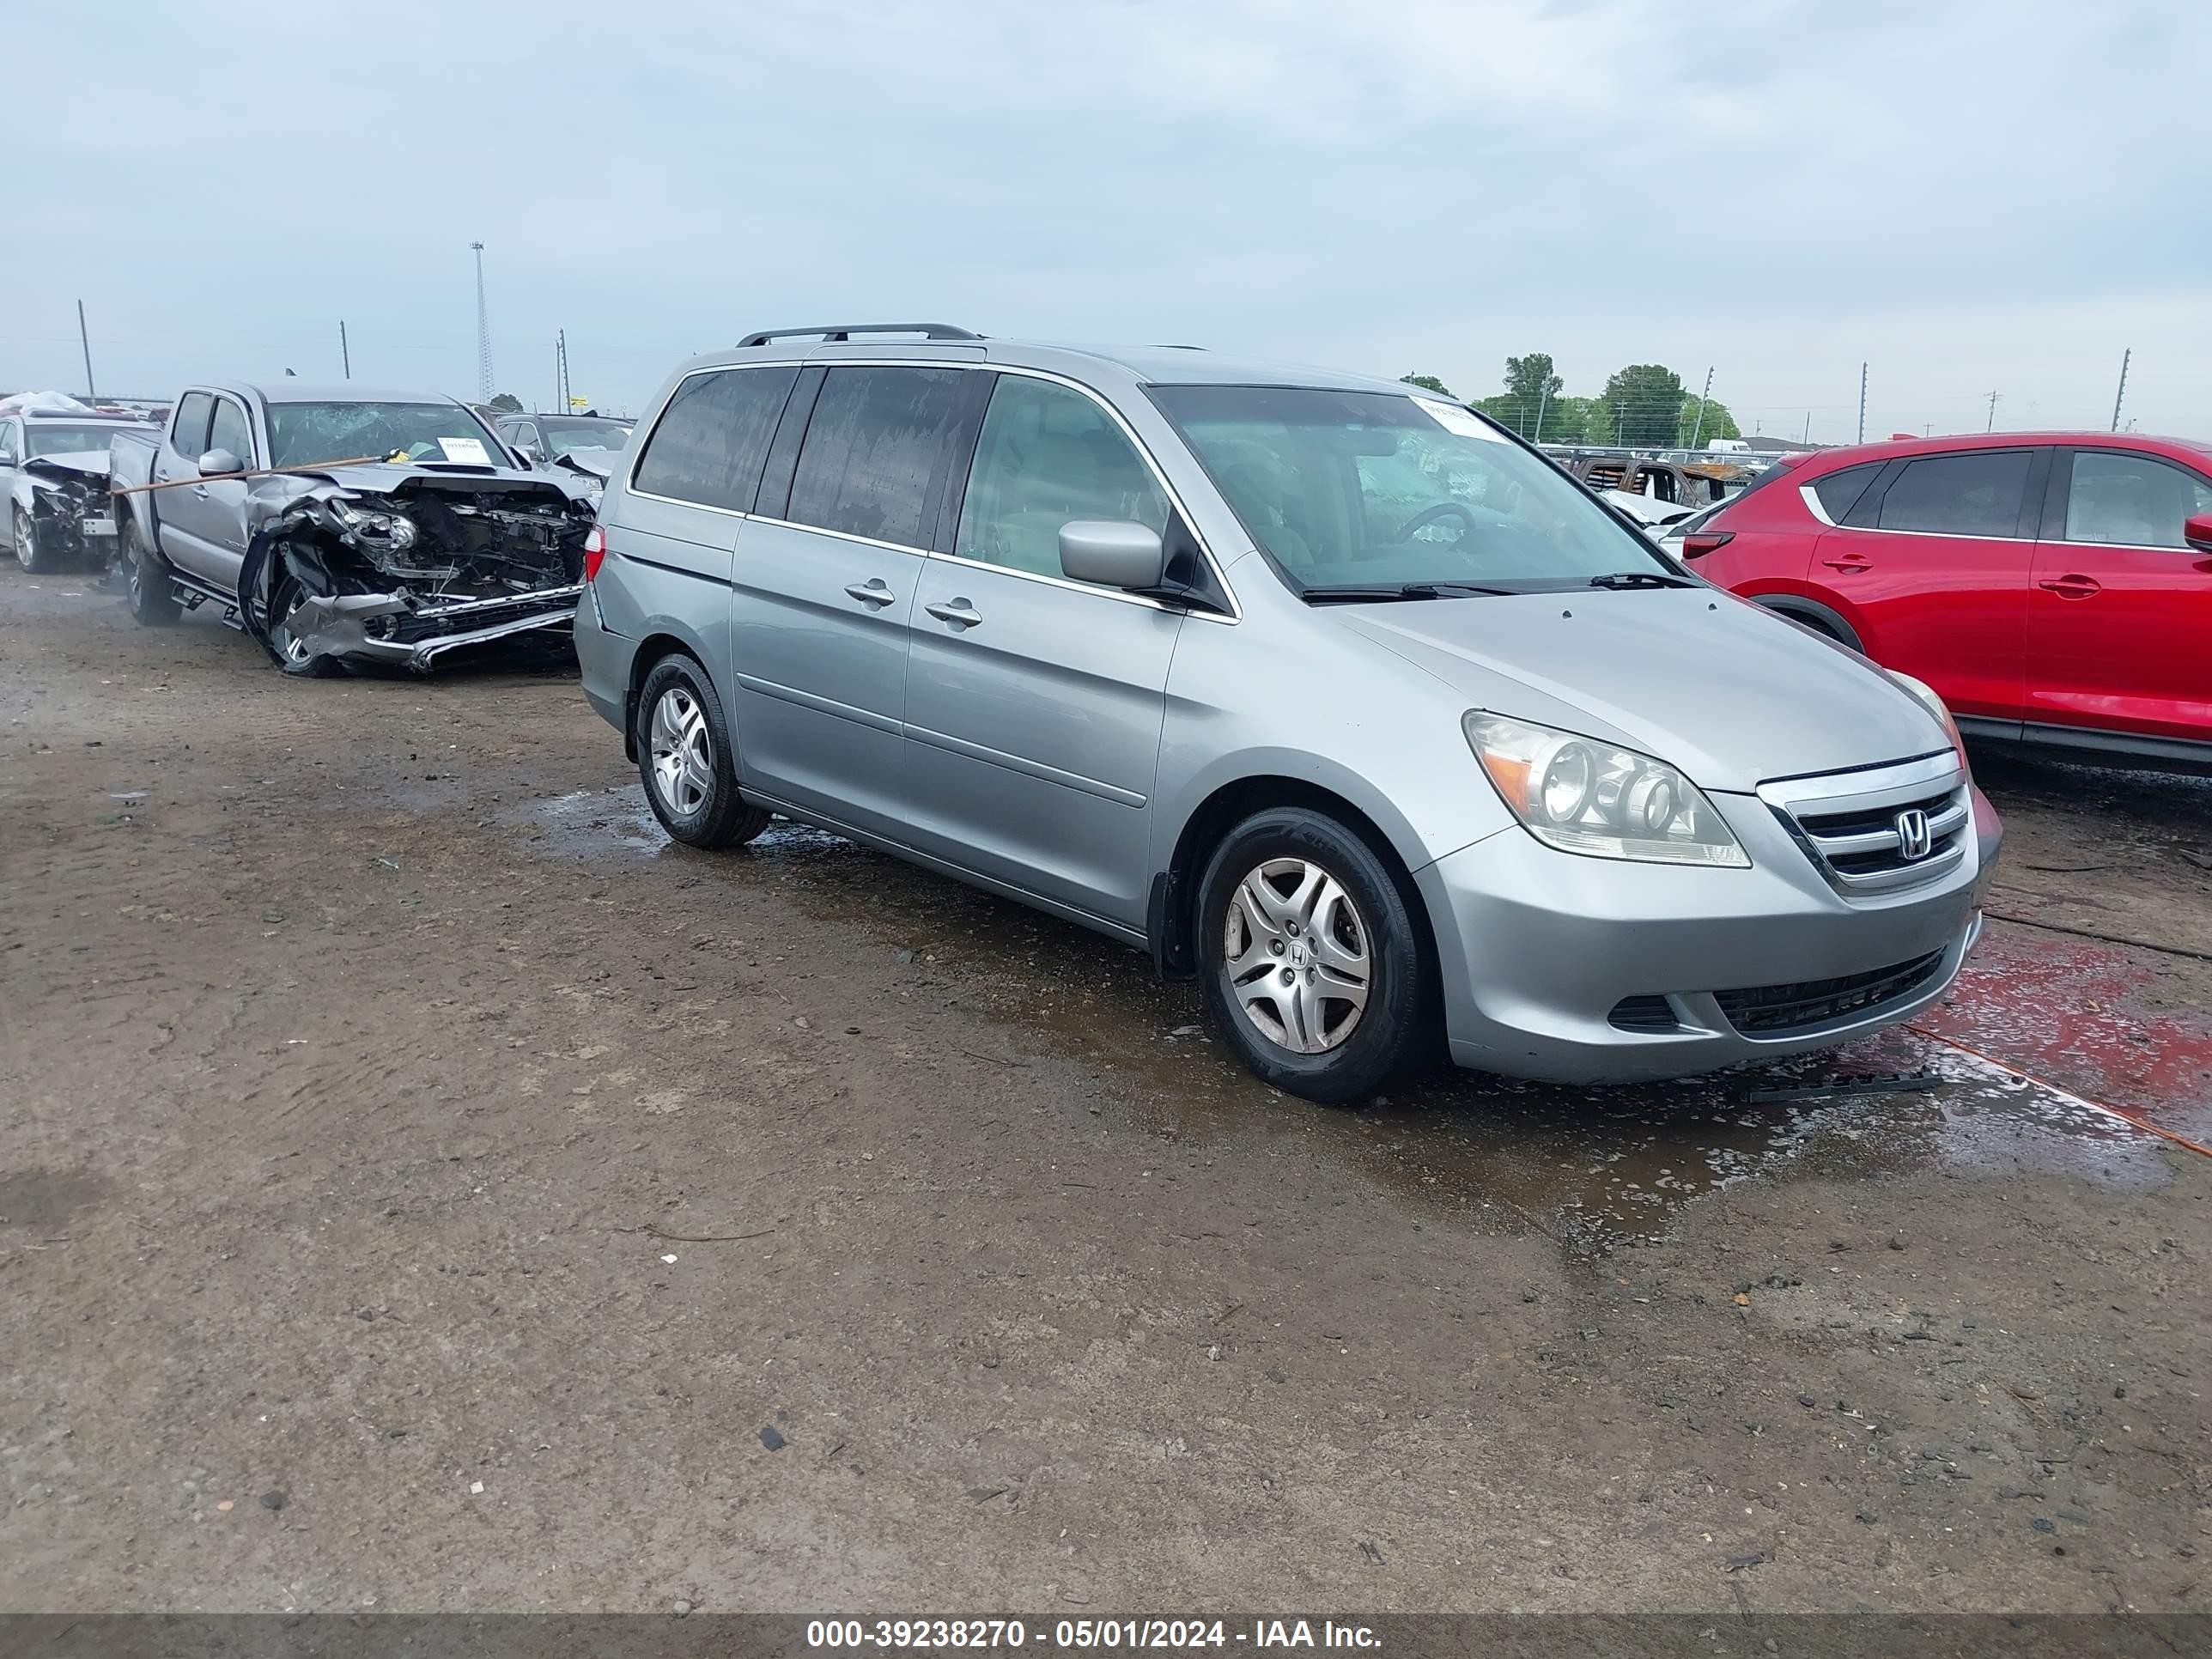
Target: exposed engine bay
point(407, 564)
point(72, 513)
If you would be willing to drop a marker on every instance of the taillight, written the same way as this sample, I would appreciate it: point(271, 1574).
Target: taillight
point(1695, 545)
point(595, 553)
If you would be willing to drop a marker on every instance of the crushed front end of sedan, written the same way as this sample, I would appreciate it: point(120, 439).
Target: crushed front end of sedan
point(411, 565)
point(70, 510)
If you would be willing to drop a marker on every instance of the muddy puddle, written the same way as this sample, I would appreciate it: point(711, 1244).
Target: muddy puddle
point(1597, 1169)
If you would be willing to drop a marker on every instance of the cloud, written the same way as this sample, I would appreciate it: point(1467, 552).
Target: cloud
point(1969, 197)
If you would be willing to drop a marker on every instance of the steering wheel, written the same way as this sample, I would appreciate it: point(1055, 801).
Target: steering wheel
point(1428, 516)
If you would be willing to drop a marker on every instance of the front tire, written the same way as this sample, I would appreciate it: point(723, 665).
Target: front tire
point(28, 554)
point(1310, 962)
point(686, 759)
point(294, 656)
point(153, 601)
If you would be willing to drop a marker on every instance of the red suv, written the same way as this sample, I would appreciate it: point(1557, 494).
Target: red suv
point(2055, 588)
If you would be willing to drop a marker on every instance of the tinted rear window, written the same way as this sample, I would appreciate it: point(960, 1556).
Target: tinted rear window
point(1977, 493)
point(1839, 491)
point(708, 443)
point(873, 448)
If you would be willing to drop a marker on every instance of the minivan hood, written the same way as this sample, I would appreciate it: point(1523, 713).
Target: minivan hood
point(1729, 692)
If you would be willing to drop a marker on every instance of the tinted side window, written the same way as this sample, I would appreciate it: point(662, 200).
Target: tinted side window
point(192, 427)
point(1839, 492)
point(873, 448)
point(231, 432)
point(1977, 493)
point(1046, 456)
point(9, 445)
point(2136, 500)
point(707, 444)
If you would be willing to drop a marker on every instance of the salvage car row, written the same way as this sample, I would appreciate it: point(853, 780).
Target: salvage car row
point(1339, 698)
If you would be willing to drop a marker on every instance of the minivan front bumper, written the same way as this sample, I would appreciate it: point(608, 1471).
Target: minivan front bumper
point(1578, 969)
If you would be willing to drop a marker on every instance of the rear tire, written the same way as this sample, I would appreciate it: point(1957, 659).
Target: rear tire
point(687, 761)
point(1309, 961)
point(34, 558)
point(146, 590)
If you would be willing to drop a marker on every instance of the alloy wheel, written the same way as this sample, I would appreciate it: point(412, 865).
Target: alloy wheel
point(683, 752)
point(1296, 954)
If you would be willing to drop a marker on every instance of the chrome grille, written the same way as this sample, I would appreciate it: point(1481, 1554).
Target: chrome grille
point(1880, 829)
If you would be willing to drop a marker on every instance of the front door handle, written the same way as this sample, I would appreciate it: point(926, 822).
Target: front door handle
point(870, 592)
point(199, 492)
point(1849, 564)
point(2072, 587)
point(958, 612)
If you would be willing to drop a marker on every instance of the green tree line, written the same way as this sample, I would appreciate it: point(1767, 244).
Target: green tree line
point(1644, 405)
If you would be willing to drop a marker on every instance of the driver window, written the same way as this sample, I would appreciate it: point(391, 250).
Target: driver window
point(231, 432)
point(9, 446)
point(1046, 456)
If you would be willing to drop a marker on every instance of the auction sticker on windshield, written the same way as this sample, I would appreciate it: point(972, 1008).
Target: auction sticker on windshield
point(468, 451)
point(1455, 419)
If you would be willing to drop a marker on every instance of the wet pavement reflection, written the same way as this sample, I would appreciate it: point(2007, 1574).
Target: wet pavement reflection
point(1597, 1169)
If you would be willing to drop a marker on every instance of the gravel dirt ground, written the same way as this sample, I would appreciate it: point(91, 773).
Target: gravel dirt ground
point(422, 1188)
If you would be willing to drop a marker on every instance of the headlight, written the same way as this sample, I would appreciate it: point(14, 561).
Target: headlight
point(1925, 694)
point(1583, 796)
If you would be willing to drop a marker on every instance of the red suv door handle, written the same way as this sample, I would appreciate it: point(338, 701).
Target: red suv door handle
point(2072, 587)
point(1849, 563)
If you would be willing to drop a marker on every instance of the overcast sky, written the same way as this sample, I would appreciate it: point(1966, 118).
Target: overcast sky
point(1973, 197)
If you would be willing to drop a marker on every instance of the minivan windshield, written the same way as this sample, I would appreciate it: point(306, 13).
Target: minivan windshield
point(1360, 490)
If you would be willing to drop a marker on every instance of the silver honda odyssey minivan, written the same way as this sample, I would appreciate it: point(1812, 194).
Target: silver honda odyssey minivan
point(1334, 694)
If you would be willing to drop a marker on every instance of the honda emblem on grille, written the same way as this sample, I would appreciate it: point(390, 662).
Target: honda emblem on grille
point(1913, 839)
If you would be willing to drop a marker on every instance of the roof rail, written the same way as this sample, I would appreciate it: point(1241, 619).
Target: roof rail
point(839, 331)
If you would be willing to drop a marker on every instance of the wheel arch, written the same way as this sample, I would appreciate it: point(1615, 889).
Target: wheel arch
point(661, 641)
point(1814, 615)
point(1169, 917)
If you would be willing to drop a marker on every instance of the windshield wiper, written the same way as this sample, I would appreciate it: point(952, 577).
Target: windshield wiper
point(1637, 579)
point(1404, 591)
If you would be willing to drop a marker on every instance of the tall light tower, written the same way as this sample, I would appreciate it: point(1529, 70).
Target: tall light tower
point(484, 388)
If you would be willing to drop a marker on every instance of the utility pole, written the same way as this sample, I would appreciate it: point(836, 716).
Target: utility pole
point(484, 331)
point(2122, 391)
point(84, 339)
point(561, 380)
point(346, 356)
point(1862, 369)
point(1698, 427)
point(1992, 426)
point(1543, 397)
point(1807, 439)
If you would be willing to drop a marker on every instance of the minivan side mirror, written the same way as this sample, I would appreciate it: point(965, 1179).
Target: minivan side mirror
point(1111, 554)
point(2196, 530)
point(217, 462)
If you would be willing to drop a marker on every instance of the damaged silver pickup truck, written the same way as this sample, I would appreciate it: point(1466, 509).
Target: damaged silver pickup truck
point(341, 525)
